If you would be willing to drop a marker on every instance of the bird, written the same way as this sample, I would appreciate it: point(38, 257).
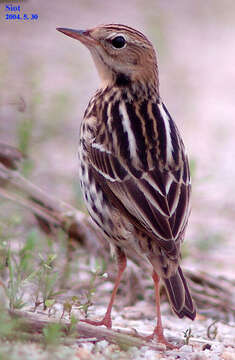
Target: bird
point(133, 167)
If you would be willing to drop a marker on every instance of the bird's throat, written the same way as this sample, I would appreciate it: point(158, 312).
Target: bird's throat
point(122, 80)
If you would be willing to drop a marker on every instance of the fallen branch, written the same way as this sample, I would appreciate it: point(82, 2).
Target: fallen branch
point(34, 323)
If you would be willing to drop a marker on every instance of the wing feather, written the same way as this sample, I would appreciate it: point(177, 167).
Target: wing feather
point(155, 198)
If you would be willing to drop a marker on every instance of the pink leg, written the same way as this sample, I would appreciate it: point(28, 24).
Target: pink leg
point(158, 331)
point(107, 318)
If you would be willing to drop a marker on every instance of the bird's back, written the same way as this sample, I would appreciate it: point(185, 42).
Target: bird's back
point(134, 154)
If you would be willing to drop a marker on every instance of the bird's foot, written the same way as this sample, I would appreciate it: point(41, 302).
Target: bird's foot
point(106, 321)
point(160, 339)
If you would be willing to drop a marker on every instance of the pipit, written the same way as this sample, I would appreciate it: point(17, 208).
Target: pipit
point(134, 170)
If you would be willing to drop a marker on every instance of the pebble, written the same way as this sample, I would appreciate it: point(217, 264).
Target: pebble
point(186, 348)
point(89, 346)
point(150, 354)
point(102, 344)
point(206, 347)
point(199, 356)
point(217, 348)
point(215, 357)
point(228, 355)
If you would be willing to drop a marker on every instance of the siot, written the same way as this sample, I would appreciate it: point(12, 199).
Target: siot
point(12, 8)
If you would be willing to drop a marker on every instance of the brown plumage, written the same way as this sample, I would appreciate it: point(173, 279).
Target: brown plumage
point(134, 171)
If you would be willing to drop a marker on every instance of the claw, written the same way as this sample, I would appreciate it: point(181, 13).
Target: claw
point(106, 321)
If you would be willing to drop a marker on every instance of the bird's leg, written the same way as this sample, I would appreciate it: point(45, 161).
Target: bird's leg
point(121, 260)
point(158, 330)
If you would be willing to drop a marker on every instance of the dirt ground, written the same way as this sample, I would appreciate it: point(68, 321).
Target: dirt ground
point(46, 81)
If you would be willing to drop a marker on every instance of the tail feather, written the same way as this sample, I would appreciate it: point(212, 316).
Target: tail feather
point(179, 295)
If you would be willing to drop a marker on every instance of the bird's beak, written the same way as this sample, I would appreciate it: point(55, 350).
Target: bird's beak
point(81, 35)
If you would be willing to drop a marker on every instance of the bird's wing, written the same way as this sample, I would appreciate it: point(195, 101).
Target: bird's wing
point(151, 189)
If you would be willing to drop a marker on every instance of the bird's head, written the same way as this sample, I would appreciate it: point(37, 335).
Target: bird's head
point(121, 54)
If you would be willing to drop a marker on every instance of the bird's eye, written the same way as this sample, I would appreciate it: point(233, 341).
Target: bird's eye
point(118, 42)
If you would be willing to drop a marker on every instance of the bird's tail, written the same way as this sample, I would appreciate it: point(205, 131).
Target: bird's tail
point(179, 295)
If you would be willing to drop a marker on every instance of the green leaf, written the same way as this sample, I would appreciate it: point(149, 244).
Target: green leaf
point(49, 302)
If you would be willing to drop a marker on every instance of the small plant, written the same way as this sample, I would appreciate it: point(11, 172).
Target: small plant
point(46, 278)
point(90, 293)
point(49, 305)
point(20, 265)
point(7, 324)
point(27, 254)
point(75, 301)
point(72, 331)
point(68, 305)
point(52, 334)
point(14, 288)
point(96, 273)
point(187, 335)
point(19, 268)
